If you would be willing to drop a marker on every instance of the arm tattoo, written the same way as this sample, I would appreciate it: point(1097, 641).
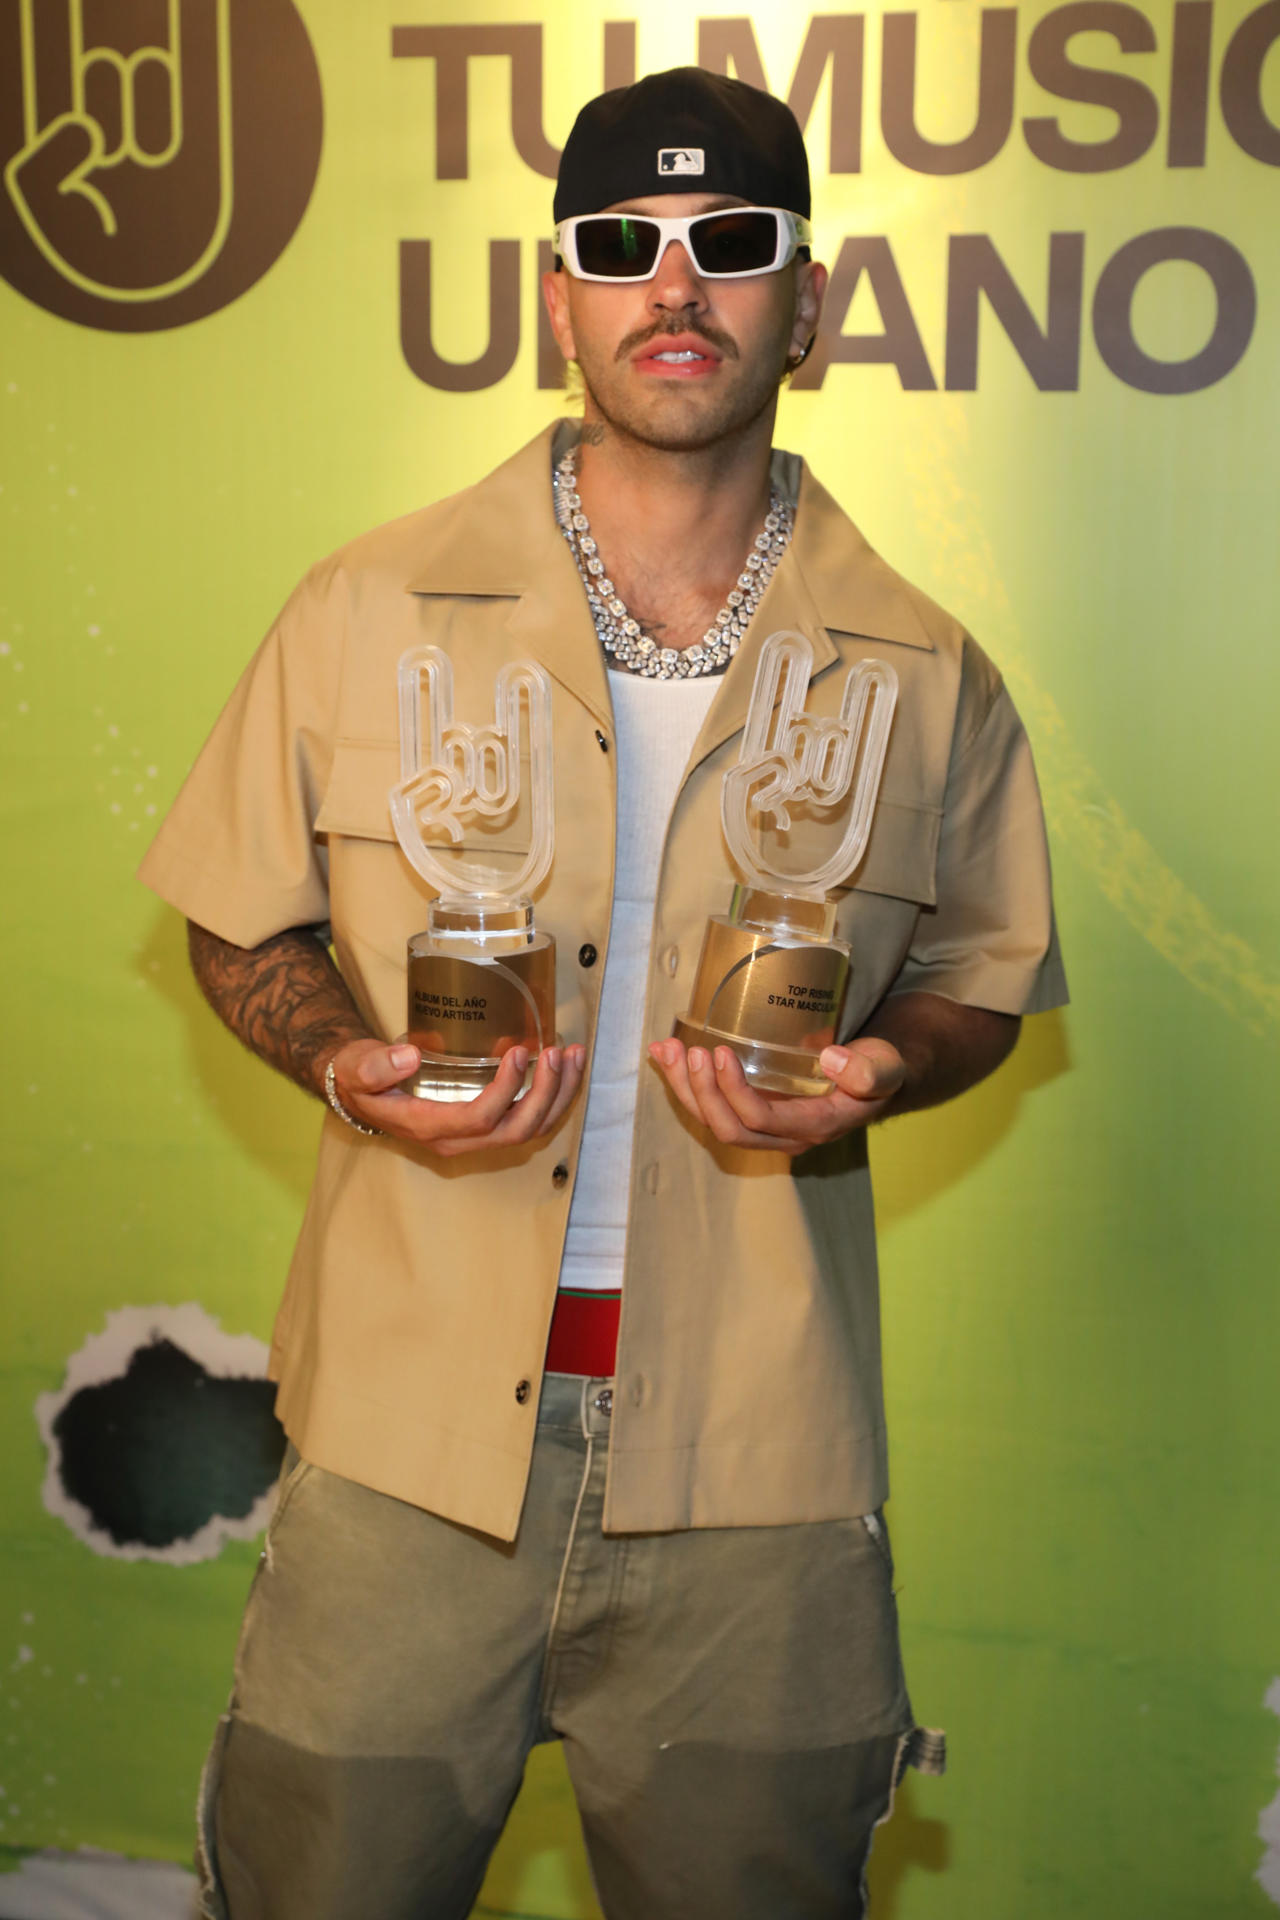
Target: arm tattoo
point(285, 999)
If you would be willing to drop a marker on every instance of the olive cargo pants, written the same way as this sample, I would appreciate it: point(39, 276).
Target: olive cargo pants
point(731, 1702)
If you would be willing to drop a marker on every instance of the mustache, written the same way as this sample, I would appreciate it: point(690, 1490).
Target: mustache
point(675, 324)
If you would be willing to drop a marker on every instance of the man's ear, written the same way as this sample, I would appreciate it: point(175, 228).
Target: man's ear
point(555, 293)
point(811, 291)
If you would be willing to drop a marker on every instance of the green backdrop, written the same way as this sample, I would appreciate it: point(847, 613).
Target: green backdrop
point(1082, 1320)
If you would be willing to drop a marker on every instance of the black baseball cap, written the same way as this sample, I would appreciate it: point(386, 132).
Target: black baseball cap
point(684, 131)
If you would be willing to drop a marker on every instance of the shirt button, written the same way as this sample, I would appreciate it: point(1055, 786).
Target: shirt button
point(601, 742)
point(522, 1392)
point(671, 959)
point(587, 955)
point(559, 1175)
point(650, 1177)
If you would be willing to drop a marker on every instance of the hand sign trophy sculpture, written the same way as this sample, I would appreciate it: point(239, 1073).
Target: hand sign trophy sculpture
point(771, 977)
point(481, 978)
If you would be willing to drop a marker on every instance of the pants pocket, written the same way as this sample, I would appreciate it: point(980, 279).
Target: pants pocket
point(213, 1905)
point(873, 1524)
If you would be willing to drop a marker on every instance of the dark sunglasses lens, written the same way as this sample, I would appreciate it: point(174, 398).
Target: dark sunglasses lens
point(734, 242)
point(617, 245)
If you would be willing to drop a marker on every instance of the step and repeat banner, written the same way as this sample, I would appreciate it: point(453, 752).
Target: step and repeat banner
point(270, 276)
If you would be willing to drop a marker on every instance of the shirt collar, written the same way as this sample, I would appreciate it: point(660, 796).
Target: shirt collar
point(499, 539)
point(502, 539)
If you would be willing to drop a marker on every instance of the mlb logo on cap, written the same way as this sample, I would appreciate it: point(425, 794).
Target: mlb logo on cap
point(681, 160)
point(682, 132)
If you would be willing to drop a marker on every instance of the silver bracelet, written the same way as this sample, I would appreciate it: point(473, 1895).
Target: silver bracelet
point(331, 1095)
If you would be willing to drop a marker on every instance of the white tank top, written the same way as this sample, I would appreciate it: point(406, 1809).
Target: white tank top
point(656, 723)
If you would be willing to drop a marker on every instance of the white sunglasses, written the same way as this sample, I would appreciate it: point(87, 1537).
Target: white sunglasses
point(726, 245)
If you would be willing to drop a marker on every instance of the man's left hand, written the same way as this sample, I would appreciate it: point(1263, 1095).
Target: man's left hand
point(865, 1075)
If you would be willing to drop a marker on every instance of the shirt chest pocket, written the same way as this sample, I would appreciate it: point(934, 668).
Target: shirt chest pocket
point(355, 802)
point(377, 901)
point(377, 896)
point(879, 911)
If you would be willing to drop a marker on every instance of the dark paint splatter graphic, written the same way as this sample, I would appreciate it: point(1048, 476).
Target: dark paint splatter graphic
point(158, 1452)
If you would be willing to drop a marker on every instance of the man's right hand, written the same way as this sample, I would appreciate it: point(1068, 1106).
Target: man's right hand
point(367, 1075)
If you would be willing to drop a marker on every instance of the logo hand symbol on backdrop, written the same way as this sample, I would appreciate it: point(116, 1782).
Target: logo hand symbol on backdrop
point(125, 155)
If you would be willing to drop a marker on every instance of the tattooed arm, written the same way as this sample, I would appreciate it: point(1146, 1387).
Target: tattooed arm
point(289, 1004)
point(285, 999)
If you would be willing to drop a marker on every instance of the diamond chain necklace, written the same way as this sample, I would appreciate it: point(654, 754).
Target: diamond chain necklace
point(622, 637)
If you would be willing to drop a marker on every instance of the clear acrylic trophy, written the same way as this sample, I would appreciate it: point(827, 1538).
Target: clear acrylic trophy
point(482, 979)
point(771, 977)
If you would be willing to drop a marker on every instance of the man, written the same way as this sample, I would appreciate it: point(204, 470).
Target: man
point(658, 1541)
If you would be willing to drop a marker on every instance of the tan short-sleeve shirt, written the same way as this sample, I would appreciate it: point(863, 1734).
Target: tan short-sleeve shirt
point(410, 1341)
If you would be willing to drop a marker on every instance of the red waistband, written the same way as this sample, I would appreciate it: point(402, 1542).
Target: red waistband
point(584, 1334)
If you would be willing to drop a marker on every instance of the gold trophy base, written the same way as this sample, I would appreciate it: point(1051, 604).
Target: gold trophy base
point(770, 984)
point(771, 1068)
point(475, 992)
point(451, 1078)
